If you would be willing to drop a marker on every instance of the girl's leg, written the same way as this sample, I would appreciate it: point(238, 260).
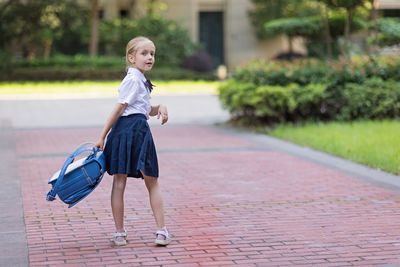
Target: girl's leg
point(157, 206)
point(156, 201)
point(117, 201)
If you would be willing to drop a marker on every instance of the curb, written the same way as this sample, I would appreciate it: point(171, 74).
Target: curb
point(13, 242)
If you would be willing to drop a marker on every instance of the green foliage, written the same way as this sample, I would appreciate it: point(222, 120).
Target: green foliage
point(272, 103)
point(306, 18)
point(389, 31)
point(234, 96)
point(83, 67)
point(172, 41)
point(338, 20)
point(34, 24)
point(303, 90)
point(347, 4)
point(267, 10)
point(373, 99)
point(78, 60)
point(308, 26)
point(6, 63)
point(281, 73)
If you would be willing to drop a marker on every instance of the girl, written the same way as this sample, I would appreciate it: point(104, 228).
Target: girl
point(130, 150)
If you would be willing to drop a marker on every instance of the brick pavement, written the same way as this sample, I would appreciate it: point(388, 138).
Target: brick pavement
point(229, 201)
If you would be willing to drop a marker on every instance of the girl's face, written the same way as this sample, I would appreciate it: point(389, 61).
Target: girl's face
point(143, 59)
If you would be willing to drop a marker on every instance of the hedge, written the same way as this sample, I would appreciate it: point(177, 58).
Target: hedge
point(92, 73)
point(314, 90)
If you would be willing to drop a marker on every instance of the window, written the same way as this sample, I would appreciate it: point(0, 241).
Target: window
point(123, 13)
point(391, 13)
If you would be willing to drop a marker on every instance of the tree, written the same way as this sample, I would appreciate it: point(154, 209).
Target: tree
point(94, 28)
point(32, 26)
point(264, 11)
point(25, 24)
point(336, 18)
point(350, 7)
point(324, 11)
point(293, 27)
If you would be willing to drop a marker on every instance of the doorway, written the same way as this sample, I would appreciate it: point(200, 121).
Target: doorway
point(212, 35)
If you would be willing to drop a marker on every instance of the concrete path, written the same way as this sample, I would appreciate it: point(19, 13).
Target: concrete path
point(50, 113)
point(231, 198)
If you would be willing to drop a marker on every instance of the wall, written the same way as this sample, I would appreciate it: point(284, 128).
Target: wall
point(240, 42)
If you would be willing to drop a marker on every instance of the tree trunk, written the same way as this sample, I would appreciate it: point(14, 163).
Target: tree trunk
point(328, 38)
point(94, 21)
point(349, 18)
point(374, 32)
point(290, 40)
point(47, 48)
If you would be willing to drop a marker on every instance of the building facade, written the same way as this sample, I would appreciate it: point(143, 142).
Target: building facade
point(223, 27)
point(389, 8)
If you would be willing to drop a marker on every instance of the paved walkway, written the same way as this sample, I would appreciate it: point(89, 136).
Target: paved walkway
point(231, 198)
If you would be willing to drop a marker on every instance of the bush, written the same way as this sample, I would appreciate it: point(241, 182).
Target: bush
point(374, 99)
point(234, 96)
point(79, 61)
point(199, 61)
point(282, 72)
point(279, 92)
point(99, 73)
point(6, 63)
point(82, 67)
point(64, 73)
point(272, 103)
point(388, 32)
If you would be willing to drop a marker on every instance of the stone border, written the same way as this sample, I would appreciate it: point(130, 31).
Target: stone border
point(13, 242)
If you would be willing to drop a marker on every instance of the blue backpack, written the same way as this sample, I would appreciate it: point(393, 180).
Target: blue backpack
point(77, 179)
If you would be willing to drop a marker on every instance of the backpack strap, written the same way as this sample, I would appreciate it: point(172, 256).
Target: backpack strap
point(51, 195)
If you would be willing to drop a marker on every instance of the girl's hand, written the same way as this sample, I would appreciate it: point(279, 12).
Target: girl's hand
point(163, 112)
point(99, 144)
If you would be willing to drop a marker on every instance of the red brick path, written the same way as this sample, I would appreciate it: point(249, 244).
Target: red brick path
point(228, 202)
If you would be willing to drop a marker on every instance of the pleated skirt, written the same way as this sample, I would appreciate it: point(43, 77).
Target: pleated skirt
point(130, 148)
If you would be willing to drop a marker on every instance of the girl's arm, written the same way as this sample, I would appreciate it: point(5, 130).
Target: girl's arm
point(160, 110)
point(115, 114)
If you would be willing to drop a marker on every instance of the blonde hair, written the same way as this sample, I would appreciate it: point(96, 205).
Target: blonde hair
point(133, 46)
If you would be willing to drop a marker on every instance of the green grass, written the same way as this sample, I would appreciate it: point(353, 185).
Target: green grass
point(373, 143)
point(9, 89)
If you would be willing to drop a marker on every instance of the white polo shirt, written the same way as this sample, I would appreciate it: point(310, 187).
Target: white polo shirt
point(133, 92)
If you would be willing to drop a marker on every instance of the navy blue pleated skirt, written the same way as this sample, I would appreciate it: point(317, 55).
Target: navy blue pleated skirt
point(130, 148)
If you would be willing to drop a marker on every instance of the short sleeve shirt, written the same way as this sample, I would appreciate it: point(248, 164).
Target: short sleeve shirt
point(132, 91)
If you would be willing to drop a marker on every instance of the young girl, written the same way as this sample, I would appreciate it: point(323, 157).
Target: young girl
point(130, 150)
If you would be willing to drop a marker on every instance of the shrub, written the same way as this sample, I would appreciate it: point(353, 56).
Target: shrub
point(234, 96)
point(99, 73)
point(6, 63)
point(282, 72)
point(272, 103)
point(199, 61)
point(374, 99)
point(80, 61)
point(279, 92)
point(388, 31)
